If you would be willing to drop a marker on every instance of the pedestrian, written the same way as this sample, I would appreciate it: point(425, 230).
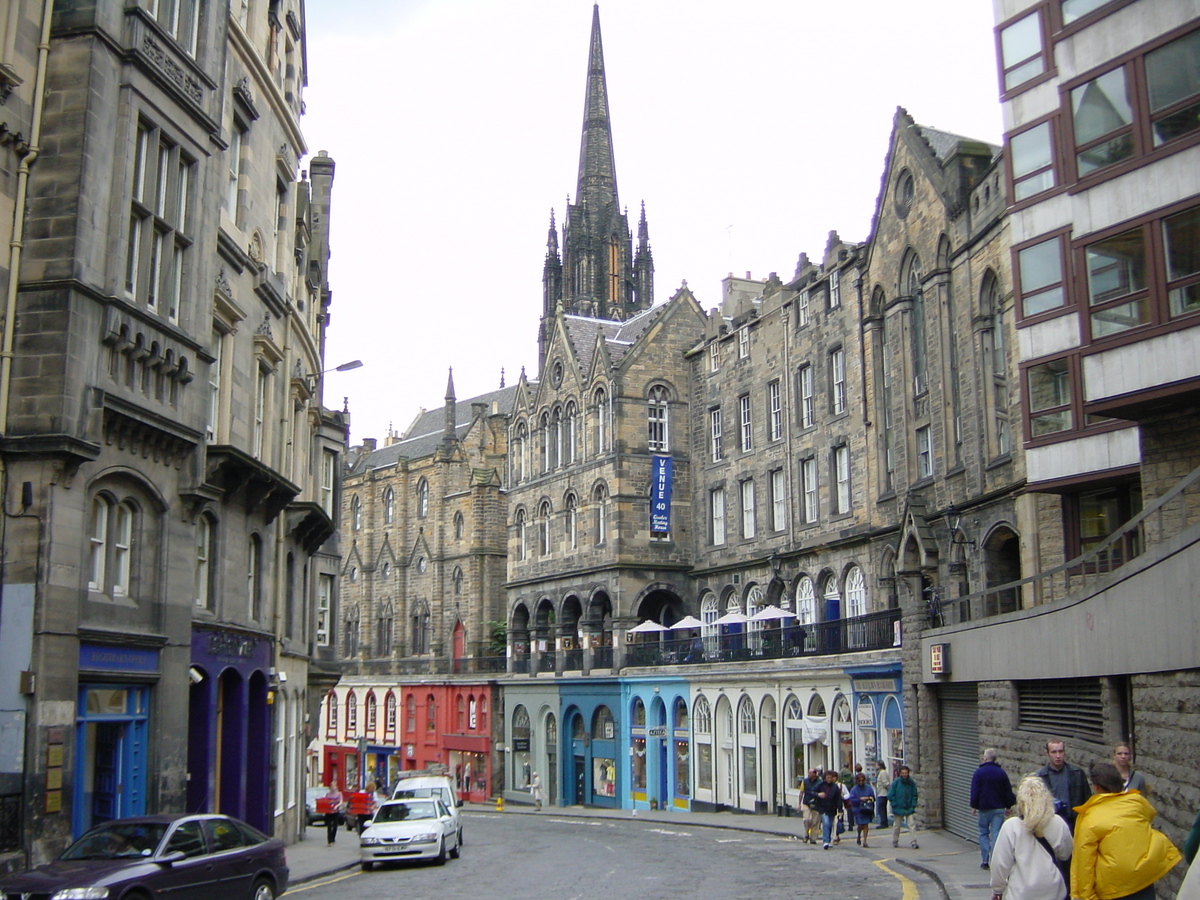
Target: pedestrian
point(902, 796)
point(862, 806)
point(535, 790)
point(1067, 782)
point(333, 815)
point(1117, 852)
point(1032, 845)
point(812, 816)
point(991, 797)
point(883, 781)
point(1134, 780)
point(829, 805)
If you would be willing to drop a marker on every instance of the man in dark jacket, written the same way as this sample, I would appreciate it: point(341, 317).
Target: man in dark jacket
point(991, 797)
point(829, 805)
point(812, 818)
point(1067, 782)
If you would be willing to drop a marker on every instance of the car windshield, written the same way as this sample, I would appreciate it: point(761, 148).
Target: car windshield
point(118, 840)
point(405, 812)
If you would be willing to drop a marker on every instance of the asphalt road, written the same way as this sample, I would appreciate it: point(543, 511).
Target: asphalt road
point(545, 857)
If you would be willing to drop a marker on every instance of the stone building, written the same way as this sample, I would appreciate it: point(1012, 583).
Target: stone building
point(426, 542)
point(169, 470)
point(1102, 176)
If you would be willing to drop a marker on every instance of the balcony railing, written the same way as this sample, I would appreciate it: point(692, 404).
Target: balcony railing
point(874, 631)
point(1175, 510)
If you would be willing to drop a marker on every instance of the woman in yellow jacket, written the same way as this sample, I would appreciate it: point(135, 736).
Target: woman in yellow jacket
point(1117, 853)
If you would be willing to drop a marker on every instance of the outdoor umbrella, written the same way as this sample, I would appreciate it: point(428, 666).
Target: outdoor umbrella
point(770, 613)
point(687, 622)
point(647, 627)
point(733, 617)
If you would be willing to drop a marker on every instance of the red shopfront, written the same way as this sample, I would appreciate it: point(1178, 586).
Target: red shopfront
point(469, 757)
point(449, 725)
point(341, 767)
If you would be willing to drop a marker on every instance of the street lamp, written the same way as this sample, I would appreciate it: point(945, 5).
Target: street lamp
point(958, 537)
point(344, 367)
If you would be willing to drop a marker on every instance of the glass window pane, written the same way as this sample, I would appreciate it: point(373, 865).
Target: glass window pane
point(1115, 319)
point(1030, 150)
point(1172, 76)
point(1021, 40)
point(1101, 106)
point(1116, 266)
point(1077, 9)
point(1049, 385)
point(1040, 265)
point(1021, 74)
point(1182, 237)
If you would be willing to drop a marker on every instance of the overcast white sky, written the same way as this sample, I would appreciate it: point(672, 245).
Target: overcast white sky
point(750, 128)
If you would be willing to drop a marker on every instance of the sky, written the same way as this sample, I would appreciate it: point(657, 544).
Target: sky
point(749, 128)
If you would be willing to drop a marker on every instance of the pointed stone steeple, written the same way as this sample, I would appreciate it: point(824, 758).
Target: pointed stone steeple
point(597, 274)
point(450, 412)
point(597, 184)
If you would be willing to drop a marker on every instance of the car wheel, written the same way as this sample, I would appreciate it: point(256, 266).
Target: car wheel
point(460, 840)
point(367, 867)
point(263, 890)
point(440, 859)
point(456, 850)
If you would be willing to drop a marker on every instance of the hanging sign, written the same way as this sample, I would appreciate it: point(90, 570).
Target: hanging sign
point(660, 495)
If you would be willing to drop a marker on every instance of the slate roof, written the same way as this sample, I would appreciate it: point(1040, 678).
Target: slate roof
point(943, 143)
point(618, 336)
point(425, 435)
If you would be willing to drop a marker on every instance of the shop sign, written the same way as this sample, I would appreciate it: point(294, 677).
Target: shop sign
point(520, 745)
point(875, 684)
point(815, 732)
point(107, 658)
point(660, 495)
point(866, 714)
point(656, 731)
point(939, 659)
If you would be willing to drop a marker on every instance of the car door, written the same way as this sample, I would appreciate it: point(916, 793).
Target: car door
point(192, 878)
point(233, 861)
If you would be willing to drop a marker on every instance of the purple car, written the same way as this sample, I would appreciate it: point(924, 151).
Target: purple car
point(194, 857)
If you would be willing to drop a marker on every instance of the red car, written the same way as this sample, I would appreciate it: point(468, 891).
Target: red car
point(185, 857)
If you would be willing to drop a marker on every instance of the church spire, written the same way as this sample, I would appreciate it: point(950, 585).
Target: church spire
point(597, 186)
point(450, 414)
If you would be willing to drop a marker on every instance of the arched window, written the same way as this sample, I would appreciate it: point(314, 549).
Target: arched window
point(331, 715)
point(385, 628)
point(389, 714)
point(601, 405)
point(992, 304)
point(351, 715)
point(912, 286)
point(410, 713)
point(806, 610)
point(459, 526)
point(205, 531)
point(458, 581)
point(754, 630)
point(639, 713)
point(430, 714)
point(111, 545)
point(372, 715)
point(544, 527)
point(547, 444)
point(462, 714)
point(520, 454)
point(419, 627)
point(856, 593)
point(702, 716)
point(746, 716)
point(832, 598)
point(422, 499)
point(389, 506)
point(572, 522)
point(657, 412)
point(556, 438)
point(604, 728)
point(355, 513)
point(522, 548)
point(571, 437)
point(600, 502)
point(710, 611)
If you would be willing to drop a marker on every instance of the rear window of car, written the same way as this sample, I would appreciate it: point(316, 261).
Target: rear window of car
point(411, 793)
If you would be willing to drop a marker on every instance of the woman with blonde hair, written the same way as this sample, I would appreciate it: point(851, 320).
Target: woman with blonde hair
point(1025, 860)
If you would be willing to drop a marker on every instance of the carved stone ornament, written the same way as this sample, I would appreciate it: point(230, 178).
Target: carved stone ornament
point(172, 70)
point(224, 288)
point(265, 328)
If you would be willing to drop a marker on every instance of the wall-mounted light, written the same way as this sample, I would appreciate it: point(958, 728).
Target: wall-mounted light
point(344, 367)
point(195, 675)
point(958, 537)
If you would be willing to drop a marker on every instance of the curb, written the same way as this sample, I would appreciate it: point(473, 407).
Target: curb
point(929, 873)
point(296, 882)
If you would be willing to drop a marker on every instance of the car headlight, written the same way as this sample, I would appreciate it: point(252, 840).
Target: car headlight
point(84, 893)
point(426, 838)
point(368, 841)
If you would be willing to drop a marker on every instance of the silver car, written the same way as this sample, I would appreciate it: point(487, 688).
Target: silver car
point(409, 829)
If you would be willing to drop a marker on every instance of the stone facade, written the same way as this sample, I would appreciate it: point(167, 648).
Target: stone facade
point(163, 435)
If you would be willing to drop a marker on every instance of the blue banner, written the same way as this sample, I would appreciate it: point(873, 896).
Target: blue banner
point(660, 496)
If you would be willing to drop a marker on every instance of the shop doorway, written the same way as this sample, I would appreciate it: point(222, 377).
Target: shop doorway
point(579, 781)
point(111, 735)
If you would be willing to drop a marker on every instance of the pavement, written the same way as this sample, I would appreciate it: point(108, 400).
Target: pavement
point(950, 863)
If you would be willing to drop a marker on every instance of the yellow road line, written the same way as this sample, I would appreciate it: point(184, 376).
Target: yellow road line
point(326, 882)
point(910, 887)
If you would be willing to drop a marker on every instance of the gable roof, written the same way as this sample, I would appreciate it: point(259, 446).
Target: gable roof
point(584, 332)
point(424, 436)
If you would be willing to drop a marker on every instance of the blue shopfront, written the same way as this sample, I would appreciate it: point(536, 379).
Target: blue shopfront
point(229, 725)
point(590, 771)
point(111, 732)
point(879, 715)
point(657, 744)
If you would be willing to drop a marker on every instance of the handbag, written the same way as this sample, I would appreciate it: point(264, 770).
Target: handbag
point(841, 824)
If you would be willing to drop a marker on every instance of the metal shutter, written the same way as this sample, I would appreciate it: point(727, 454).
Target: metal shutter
point(960, 757)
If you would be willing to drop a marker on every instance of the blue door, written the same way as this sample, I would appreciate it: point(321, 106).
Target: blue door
point(110, 737)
